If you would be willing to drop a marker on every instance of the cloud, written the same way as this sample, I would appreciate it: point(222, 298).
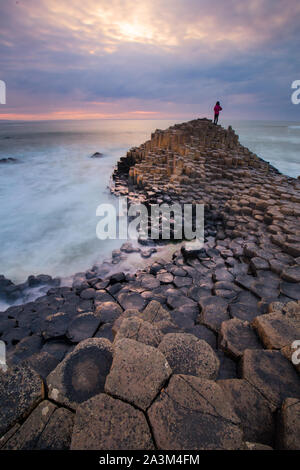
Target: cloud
point(164, 56)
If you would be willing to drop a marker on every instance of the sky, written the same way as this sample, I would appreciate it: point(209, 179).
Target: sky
point(149, 59)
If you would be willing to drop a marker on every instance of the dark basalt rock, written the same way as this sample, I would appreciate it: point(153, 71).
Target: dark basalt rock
point(271, 374)
point(97, 155)
point(82, 373)
point(8, 160)
point(21, 389)
point(104, 422)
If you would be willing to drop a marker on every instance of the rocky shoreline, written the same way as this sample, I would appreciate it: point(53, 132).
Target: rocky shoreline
point(191, 353)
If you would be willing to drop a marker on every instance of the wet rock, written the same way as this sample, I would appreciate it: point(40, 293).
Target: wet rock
point(180, 281)
point(117, 277)
point(291, 273)
point(105, 331)
point(165, 278)
point(57, 348)
point(138, 373)
point(14, 336)
point(129, 300)
point(105, 423)
point(88, 294)
point(192, 414)
point(275, 330)
point(213, 312)
point(178, 300)
point(82, 373)
point(288, 435)
point(236, 336)
point(257, 264)
point(271, 374)
point(245, 307)
point(83, 326)
point(56, 325)
point(43, 363)
point(189, 355)
point(25, 348)
point(256, 417)
point(108, 312)
point(290, 289)
point(139, 330)
point(150, 282)
point(202, 332)
point(102, 296)
point(21, 389)
point(97, 155)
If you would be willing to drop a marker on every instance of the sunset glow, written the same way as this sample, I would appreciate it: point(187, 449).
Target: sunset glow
point(164, 58)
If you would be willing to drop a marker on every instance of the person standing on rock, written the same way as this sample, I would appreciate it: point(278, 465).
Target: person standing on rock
point(217, 110)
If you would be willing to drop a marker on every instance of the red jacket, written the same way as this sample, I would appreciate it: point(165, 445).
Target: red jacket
point(217, 109)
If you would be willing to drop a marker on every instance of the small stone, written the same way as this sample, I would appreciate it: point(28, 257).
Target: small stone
point(105, 423)
point(138, 373)
point(189, 355)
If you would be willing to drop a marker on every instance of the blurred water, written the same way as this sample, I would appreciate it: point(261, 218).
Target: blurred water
point(48, 200)
point(276, 142)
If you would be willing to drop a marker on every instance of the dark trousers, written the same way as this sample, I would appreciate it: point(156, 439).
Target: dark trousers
point(216, 118)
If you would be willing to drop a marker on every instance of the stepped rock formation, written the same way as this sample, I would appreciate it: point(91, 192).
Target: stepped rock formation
point(193, 353)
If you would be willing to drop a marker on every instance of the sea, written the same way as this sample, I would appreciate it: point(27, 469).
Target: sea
point(49, 196)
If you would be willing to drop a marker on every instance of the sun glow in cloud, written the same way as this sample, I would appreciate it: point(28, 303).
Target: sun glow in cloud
point(157, 57)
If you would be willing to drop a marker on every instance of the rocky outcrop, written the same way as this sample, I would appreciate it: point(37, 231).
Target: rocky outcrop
point(194, 352)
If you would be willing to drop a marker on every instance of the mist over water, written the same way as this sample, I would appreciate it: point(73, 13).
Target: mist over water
point(48, 199)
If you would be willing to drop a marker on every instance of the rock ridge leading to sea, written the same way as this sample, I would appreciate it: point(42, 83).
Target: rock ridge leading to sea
point(192, 353)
